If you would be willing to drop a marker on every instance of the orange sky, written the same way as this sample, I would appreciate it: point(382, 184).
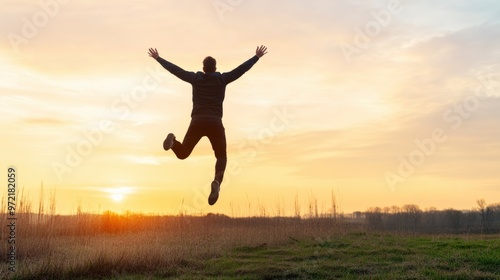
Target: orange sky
point(381, 103)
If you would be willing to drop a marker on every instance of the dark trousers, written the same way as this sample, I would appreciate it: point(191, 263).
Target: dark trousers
point(214, 130)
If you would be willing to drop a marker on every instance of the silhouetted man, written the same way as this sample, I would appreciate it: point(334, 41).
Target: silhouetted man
point(209, 89)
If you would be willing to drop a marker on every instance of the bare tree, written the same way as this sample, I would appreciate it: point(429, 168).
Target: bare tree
point(413, 215)
point(486, 213)
point(481, 203)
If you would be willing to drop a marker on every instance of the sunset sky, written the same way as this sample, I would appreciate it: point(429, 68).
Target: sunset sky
point(379, 102)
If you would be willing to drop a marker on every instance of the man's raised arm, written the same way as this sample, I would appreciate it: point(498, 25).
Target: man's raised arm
point(180, 73)
point(240, 70)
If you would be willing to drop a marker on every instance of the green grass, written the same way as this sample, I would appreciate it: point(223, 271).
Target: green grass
point(350, 256)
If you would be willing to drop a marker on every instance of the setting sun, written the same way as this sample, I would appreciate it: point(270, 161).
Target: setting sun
point(117, 197)
point(118, 194)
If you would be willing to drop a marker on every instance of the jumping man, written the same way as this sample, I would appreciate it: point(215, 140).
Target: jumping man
point(209, 89)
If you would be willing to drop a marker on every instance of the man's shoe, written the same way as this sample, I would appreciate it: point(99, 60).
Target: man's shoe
point(169, 142)
point(214, 194)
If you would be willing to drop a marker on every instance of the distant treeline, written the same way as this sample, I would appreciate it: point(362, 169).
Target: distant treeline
point(483, 218)
point(410, 218)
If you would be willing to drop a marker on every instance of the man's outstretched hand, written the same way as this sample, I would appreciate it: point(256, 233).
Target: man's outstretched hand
point(153, 53)
point(262, 50)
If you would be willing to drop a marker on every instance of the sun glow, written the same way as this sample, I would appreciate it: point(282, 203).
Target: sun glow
point(118, 194)
point(117, 197)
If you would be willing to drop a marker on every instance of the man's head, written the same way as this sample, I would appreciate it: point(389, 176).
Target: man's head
point(209, 64)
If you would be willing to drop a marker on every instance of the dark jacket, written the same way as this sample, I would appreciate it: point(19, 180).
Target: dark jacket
point(208, 89)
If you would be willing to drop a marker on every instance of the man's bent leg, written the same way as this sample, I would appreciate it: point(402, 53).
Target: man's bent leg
point(192, 137)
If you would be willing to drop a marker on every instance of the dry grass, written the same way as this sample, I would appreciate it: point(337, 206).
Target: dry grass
point(51, 246)
point(96, 246)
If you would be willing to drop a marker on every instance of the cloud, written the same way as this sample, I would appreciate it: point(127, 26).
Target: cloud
point(470, 151)
point(44, 121)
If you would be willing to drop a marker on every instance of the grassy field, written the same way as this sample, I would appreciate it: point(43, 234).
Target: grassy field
point(360, 255)
point(217, 247)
